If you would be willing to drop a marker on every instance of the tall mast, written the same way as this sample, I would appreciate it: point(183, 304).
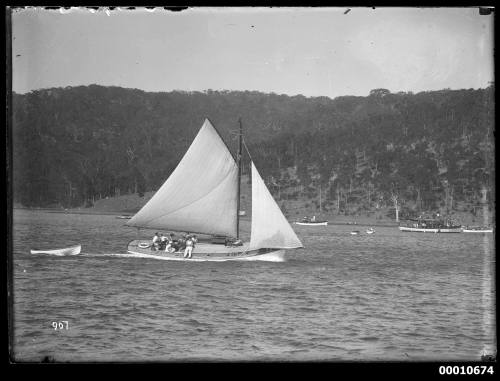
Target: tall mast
point(239, 182)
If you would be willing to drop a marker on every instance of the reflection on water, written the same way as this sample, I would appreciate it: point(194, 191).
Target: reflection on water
point(385, 296)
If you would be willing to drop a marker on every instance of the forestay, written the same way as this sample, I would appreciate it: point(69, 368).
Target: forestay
point(270, 228)
point(200, 195)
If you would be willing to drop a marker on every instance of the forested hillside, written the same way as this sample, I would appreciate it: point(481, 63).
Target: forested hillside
point(427, 151)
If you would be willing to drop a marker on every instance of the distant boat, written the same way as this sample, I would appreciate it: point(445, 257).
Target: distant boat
point(317, 223)
point(73, 250)
point(421, 225)
point(477, 229)
point(124, 217)
point(430, 230)
point(306, 221)
point(355, 232)
point(370, 231)
point(202, 196)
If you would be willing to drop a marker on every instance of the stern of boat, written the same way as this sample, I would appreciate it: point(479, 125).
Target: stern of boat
point(271, 256)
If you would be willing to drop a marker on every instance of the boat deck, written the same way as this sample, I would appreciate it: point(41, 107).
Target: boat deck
point(203, 251)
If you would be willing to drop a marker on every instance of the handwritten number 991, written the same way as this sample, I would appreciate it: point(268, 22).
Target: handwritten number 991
point(57, 325)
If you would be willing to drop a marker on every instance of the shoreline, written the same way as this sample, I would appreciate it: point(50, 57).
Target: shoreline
point(354, 221)
point(73, 211)
point(361, 221)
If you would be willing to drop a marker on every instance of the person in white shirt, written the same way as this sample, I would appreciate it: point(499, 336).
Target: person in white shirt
point(169, 242)
point(163, 241)
point(156, 240)
point(190, 241)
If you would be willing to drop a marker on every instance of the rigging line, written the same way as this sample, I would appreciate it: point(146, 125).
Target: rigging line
point(248, 152)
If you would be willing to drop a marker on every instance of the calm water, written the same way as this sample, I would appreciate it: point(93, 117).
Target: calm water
point(386, 296)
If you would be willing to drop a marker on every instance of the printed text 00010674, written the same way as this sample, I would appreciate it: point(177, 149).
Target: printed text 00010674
point(477, 369)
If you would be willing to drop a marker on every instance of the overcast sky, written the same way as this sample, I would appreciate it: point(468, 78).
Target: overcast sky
point(309, 51)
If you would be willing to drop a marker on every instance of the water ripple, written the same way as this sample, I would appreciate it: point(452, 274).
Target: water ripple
point(389, 296)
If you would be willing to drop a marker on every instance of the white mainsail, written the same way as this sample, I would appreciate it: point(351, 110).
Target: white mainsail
point(270, 228)
point(200, 196)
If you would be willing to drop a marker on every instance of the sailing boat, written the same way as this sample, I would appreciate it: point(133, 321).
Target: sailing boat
point(202, 196)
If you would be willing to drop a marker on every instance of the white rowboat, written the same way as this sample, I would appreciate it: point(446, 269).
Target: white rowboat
point(73, 250)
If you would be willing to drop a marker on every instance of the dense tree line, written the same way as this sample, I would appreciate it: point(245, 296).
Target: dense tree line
point(431, 150)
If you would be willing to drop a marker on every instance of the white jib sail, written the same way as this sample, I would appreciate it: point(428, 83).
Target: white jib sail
point(201, 193)
point(270, 228)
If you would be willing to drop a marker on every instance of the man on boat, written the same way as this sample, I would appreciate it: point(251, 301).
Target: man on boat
point(182, 242)
point(169, 242)
point(156, 240)
point(163, 242)
point(233, 242)
point(188, 252)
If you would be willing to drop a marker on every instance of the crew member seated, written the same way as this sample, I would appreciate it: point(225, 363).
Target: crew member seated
point(156, 241)
point(169, 242)
point(233, 242)
point(163, 242)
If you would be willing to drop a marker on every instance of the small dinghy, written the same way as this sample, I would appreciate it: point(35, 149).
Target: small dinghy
point(73, 250)
point(317, 223)
point(311, 222)
point(370, 231)
point(355, 232)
